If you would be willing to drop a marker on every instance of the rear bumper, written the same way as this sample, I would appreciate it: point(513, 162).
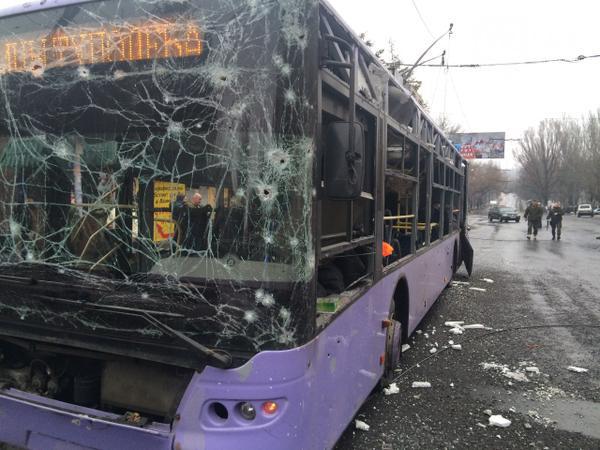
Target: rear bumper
point(33, 422)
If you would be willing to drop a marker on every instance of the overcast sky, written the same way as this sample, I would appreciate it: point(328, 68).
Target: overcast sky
point(509, 99)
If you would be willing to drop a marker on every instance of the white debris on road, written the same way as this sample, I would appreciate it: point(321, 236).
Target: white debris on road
point(478, 289)
point(488, 280)
point(405, 347)
point(454, 323)
point(460, 283)
point(433, 350)
point(516, 375)
point(488, 412)
point(450, 342)
point(498, 421)
point(456, 330)
point(577, 369)
point(475, 326)
point(391, 389)
point(532, 369)
point(421, 384)
point(456, 347)
point(360, 425)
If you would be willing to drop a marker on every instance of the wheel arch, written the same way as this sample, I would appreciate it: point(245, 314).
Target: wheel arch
point(402, 305)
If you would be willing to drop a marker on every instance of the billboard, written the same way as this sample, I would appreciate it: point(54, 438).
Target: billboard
point(479, 145)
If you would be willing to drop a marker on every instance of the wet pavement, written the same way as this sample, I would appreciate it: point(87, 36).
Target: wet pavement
point(541, 315)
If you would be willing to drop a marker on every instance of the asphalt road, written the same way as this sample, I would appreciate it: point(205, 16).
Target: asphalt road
point(551, 285)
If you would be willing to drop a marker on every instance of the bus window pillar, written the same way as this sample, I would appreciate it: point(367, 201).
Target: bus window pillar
point(428, 204)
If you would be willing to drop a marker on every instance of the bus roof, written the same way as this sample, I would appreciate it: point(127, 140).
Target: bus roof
point(392, 79)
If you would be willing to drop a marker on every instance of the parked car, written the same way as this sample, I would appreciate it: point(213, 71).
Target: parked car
point(503, 214)
point(585, 209)
point(597, 211)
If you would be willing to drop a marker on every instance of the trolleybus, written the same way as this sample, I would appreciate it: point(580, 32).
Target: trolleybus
point(218, 222)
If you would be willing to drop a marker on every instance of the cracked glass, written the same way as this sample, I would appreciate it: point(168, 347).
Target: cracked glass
point(156, 172)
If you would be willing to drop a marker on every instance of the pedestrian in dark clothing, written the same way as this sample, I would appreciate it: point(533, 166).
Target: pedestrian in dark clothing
point(555, 215)
point(534, 214)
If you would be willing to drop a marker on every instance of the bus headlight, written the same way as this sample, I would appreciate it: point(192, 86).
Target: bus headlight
point(247, 411)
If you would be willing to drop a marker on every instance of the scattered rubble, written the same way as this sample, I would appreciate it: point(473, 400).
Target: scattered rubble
point(532, 369)
point(488, 280)
point(421, 384)
point(516, 375)
point(456, 330)
point(498, 421)
point(360, 425)
point(456, 347)
point(577, 369)
point(475, 326)
point(433, 350)
point(405, 347)
point(478, 289)
point(391, 389)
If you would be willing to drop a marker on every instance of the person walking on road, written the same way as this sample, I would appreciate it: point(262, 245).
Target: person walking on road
point(534, 214)
point(555, 215)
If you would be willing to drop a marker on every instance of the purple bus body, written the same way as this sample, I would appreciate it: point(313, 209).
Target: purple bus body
point(319, 387)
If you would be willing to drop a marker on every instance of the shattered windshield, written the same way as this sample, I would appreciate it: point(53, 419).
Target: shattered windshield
point(161, 140)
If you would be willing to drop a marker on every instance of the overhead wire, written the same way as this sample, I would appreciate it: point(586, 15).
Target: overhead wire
point(511, 63)
point(422, 19)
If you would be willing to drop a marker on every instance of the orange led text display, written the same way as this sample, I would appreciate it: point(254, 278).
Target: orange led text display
point(109, 44)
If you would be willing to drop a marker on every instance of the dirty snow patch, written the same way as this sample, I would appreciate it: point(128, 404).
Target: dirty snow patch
point(360, 425)
point(497, 420)
point(391, 390)
point(577, 369)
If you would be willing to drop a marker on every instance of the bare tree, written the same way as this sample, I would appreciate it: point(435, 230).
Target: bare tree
point(485, 183)
point(391, 60)
point(572, 163)
point(448, 127)
point(540, 156)
point(591, 152)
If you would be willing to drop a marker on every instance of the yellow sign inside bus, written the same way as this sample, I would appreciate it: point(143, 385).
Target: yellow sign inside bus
point(107, 44)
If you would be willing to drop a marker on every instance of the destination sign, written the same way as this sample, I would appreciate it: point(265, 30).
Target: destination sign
point(107, 44)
